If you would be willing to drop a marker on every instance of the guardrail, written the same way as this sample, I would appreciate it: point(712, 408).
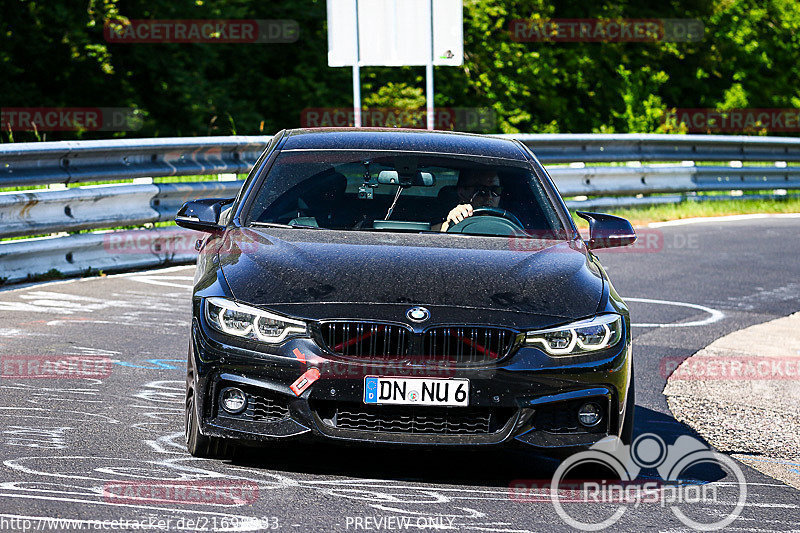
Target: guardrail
point(48, 211)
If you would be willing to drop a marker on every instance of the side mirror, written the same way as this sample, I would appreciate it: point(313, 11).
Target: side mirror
point(607, 231)
point(202, 215)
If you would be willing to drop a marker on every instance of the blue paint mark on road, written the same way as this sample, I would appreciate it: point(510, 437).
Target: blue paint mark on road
point(157, 364)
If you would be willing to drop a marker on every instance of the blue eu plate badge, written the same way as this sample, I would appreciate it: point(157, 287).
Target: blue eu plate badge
point(370, 390)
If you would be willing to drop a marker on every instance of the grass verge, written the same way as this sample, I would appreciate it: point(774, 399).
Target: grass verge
point(640, 216)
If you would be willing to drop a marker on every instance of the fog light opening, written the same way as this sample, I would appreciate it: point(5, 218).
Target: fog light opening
point(590, 414)
point(233, 400)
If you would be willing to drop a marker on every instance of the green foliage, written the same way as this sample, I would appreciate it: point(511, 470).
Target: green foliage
point(50, 275)
point(691, 209)
point(396, 95)
point(54, 54)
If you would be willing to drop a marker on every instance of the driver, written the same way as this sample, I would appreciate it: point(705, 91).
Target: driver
point(475, 188)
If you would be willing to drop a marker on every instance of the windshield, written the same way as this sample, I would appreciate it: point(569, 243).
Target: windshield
point(408, 192)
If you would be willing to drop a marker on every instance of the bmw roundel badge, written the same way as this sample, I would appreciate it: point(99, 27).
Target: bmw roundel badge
point(418, 314)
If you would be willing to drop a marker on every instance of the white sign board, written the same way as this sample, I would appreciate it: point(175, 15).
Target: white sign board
point(395, 32)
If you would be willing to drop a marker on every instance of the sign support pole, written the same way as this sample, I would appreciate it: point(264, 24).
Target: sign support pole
point(357, 79)
point(429, 73)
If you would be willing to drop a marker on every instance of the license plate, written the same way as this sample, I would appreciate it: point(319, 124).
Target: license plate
point(415, 391)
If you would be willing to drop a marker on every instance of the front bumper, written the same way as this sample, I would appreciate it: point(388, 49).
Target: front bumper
point(527, 398)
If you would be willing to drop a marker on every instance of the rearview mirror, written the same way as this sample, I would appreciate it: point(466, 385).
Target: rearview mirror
point(392, 177)
point(607, 231)
point(202, 215)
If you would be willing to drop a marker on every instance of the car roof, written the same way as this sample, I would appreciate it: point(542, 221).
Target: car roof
point(405, 140)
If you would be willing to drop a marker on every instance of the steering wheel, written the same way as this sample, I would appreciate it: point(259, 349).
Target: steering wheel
point(489, 221)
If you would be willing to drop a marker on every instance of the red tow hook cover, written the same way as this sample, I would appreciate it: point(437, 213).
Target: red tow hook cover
point(303, 382)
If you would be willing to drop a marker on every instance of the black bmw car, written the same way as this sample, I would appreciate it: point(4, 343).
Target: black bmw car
point(404, 287)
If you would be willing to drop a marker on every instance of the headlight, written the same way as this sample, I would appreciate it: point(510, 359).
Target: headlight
point(600, 332)
point(244, 321)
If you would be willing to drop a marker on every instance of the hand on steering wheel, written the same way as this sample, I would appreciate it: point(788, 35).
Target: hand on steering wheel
point(457, 214)
point(491, 221)
point(461, 212)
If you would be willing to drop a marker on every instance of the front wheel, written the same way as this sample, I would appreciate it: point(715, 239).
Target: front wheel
point(626, 435)
point(198, 444)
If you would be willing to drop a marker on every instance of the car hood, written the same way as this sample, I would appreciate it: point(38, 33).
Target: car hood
point(319, 274)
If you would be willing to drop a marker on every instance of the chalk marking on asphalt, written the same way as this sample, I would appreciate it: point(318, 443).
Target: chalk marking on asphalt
point(32, 388)
point(58, 414)
point(40, 398)
point(112, 468)
point(499, 530)
point(545, 496)
point(777, 461)
point(41, 284)
point(38, 284)
point(368, 483)
point(63, 303)
point(163, 442)
point(715, 315)
point(85, 350)
point(153, 280)
point(156, 364)
point(470, 513)
point(727, 218)
point(95, 502)
point(750, 530)
point(370, 495)
point(153, 272)
point(769, 505)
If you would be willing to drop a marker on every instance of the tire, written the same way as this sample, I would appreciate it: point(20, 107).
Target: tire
point(626, 435)
point(197, 444)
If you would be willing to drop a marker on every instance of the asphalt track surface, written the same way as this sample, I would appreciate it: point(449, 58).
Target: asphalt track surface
point(63, 440)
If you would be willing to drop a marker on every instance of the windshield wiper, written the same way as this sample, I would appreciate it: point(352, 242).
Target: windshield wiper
point(277, 225)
